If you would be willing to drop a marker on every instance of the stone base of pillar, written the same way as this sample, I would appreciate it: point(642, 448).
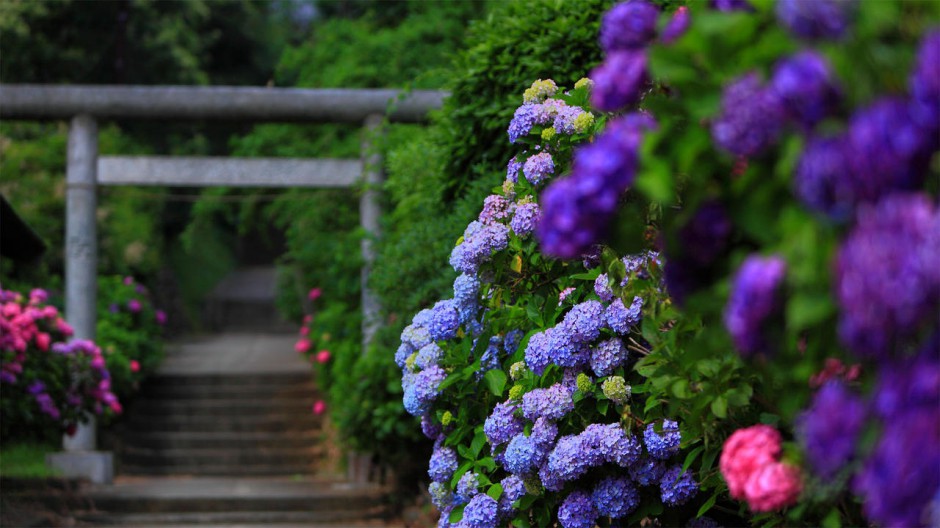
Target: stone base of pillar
point(96, 466)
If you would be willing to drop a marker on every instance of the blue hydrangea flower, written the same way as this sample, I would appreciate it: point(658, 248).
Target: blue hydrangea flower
point(444, 320)
point(481, 512)
point(544, 432)
point(753, 301)
point(621, 319)
point(522, 121)
point(665, 445)
point(466, 293)
point(805, 85)
point(524, 220)
point(602, 288)
point(401, 355)
point(511, 341)
point(521, 455)
point(512, 170)
point(751, 117)
point(513, 490)
point(441, 495)
point(552, 403)
point(563, 350)
point(829, 429)
point(502, 424)
point(422, 318)
point(537, 352)
point(677, 486)
point(490, 358)
point(538, 168)
point(585, 320)
point(429, 355)
point(647, 472)
point(429, 428)
point(819, 19)
point(468, 487)
point(478, 247)
point(615, 497)
point(609, 443)
point(608, 356)
point(415, 336)
point(628, 25)
point(619, 81)
point(577, 511)
point(420, 394)
point(443, 464)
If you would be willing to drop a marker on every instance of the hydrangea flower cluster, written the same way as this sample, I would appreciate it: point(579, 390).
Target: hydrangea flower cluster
point(754, 300)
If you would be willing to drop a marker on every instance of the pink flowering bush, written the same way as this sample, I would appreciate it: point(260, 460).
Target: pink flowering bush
point(47, 383)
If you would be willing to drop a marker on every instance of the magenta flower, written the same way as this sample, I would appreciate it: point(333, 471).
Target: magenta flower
point(314, 294)
point(133, 305)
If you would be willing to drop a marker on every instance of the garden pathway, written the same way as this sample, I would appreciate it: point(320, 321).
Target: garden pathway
point(223, 435)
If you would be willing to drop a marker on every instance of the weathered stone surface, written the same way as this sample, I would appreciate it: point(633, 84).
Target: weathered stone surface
point(96, 466)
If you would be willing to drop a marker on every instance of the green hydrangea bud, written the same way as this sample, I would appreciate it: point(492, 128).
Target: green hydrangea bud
point(515, 393)
point(548, 134)
point(410, 362)
point(584, 82)
point(585, 383)
point(517, 370)
point(539, 91)
point(583, 121)
point(509, 189)
point(616, 389)
point(447, 418)
point(533, 486)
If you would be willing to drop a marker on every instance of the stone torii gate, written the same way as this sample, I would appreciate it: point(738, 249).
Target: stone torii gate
point(84, 106)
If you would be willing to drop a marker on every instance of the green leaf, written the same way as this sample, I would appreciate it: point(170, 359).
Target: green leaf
point(457, 514)
point(680, 389)
point(807, 309)
point(833, 519)
point(495, 491)
point(690, 458)
point(495, 381)
point(487, 463)
point(720, 407)
point(479, 440)
point(707, 505)
point(602, 406)
point(656, 181)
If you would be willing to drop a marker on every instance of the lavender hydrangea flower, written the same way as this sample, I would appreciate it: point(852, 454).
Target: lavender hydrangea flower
point(887, 283)
point(564, 350)
point(609, 443)
point(523, 222)
point(925, 83)
point(544, 432)
point(705, 236)
point(619, 81)
point(441, 496)
point(512, 170)
point(415, 336)
point(830, 428)
point(495, 207)
point(444, 320)
point(522, 122)
point(677, 486)
point(805, 85)
point(521, 455)
point(442, 465)
point(677, 26)
point(577, 511)
point(585, 320)
point(662, 446)
point(537, 352)
point(615, 497)
point(628, 25)
point(621, 319)
point(422, 318)
point(647, 472)
point(511, 340)
point(480, 512)
point(564, 122)
point(466, 292)
point(423, 391)
point(538, 168)
point(565, 463)
point(428, 356)
point(468, 487)
point(602, 288)
point(727, 6)
point(502, 424)
point(513, 490)
point(819, 19)
point(753, 301)
point(821, 180)
point(608, 356)
point(910, 383)
point(751, 117)
point(552, 403)
point(401, 355)
point(478, 246)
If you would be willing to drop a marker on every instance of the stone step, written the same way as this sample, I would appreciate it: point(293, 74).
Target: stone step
point(209, 407)
point(221, 440)
point(279, 422)
point(223, 470)
point(212, 457)
point(246, 381)
point(345, 519)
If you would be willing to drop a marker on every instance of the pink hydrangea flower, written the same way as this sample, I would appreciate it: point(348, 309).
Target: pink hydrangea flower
point(302, 346)
point(128, 280)
point(42, 341)
point(63, 327)
point(323, 356)
point(160, 316)
point(314, 294)
point(772, 487)
point(319, 407)
point(135, 365)
point(304, 331)
point(133, 305)
point(746, 451)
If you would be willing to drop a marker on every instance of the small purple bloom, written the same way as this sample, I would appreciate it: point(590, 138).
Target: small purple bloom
point(647, 472)
point(830, 427)
point(728, 6)
point(524, 220)
point(753, 301)
point(160, 317)
point(608, 356)
point(620, 318)
point(577, 511)
point(495, 207)
point(628, 25)
point(816, 19)
point(677, 26)
point(925, 83)
point(443, 464)
point(821, 180)
point(751, 117)
point(512, 170)
point(805, 85)
point(522, 121)
point(677, 486)
point(502, 424)
point(619, 81)
point(552, 403)
point(663, 445)
point(538, 168)
point(133, 305)
point(615, 497)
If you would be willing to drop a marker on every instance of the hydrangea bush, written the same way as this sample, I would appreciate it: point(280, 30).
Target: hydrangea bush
point(764, 183)
point(48, 383)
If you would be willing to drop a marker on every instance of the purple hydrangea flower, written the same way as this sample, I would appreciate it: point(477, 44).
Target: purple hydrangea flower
point(887, 280)
point(677, 486)
point(753, 301)
point(602, 288)
point(705, 236)
point(513, 490)
point(512, 170)
point(521, 456)
point(830, 427)
point(522, 121)
point(502, 424)
point(480, 512)
point(429, 428)
point(628, 25)
point(577, 511)
point(490, 358)
point(538, 168)
point(47, 405)
point(537, 352)
point(564, 119)
point(591, 258)
point(925, 83)
point(511, 341)
point(805, 85)
point(420, 394)
point(621, 319)
point(615, 497)
point(910, 383)
point(443, 464)
point(552, 403)
point(728, 6)
point(899, 479)
point(619, 81)
point(821, 179)
point(495, 207)
point(677, 26)
point(523, 222)
point(428, 356)
point(466, 293)
point(564, 351)
point(819, 19)
point(585, 320)
point(544, 432)
point(609, 443)
point(478, 246)
point(608, 356)
point(647, 472)
point(444, 320)
point(751, 117)
point(565, 463)
point(468, 487)
point(662, 446)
